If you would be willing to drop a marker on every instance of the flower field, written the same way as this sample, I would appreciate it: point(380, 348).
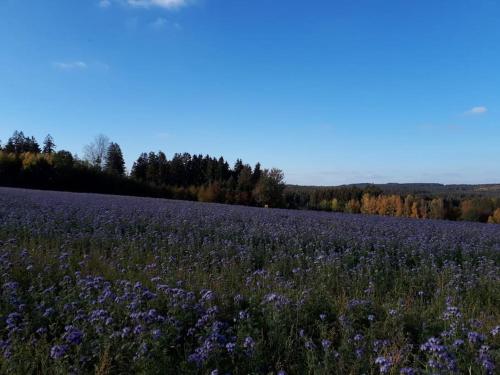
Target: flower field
point(122, 285)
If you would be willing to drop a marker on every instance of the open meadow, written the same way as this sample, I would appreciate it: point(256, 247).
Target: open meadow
point(121, 285)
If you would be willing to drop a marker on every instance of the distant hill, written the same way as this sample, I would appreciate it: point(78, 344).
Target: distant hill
point(422, 189)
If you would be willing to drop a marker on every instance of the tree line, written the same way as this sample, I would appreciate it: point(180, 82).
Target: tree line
point(26, 163)
point(373, 201)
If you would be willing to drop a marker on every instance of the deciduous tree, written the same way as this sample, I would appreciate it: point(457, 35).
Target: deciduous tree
point(95, 152)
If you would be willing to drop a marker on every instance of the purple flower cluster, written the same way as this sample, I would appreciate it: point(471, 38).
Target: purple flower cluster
point(158, 286)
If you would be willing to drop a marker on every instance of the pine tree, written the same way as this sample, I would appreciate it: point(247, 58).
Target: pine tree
point(19, 144)
point(114, 162)
point(257, 172)
point(140, 167)
point(48, 145)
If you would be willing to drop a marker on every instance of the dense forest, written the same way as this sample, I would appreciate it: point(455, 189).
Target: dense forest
point(372, 199)
point(24, 163)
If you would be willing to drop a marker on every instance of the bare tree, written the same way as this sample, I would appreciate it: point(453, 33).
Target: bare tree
point(95, 152)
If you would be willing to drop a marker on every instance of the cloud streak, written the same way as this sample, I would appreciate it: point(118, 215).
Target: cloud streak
point(104, 3)
point(159, 23)
point(79, 65)
point(146, 4)
point(476, 111)
point(71, 65)
point(166, 4)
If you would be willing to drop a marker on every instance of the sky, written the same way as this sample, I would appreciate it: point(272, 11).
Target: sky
point(329, 91)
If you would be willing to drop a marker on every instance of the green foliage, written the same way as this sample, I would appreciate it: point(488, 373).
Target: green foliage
point(318, 294)
point(19, 143)
point(269, 189)
point(210, 179)
point(114, 162)
point(477, 209)
point(48, 145)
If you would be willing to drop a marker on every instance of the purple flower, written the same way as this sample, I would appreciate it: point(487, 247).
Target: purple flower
point(433, 345)
point(138, 329)
point(230, 347)
point(48, 312)
point(73, 335)
point(325, 343)
point(384, 364)
point(156, 334)
point(407, 371)
point(11, 285)
point(309, 345)
point(495, 331)
point(277, 300)
point(125, 332)
point(358, 337)
point(238, 299)
point(452, 312)
point(207, 296)
point(485, 359)
point(248, 343)
point(475, 337)
point(12, 320)
point(440, 357)
point(243, 315)
point(58, 351)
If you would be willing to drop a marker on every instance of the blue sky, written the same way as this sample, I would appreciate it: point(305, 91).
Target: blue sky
point(331, 92)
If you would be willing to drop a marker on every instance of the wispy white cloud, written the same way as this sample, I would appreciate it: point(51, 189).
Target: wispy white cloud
point(104, 3)
point(163, 135)
point(450, 128)
point(132, 23)
point(477, 111)
point(161, 23)
point(70, 65)
point(80, 65)
point(158, 23)
point(165, 4)
point(101, 66)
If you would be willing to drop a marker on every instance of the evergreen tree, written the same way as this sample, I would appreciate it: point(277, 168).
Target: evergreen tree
point(140, 167)
point(257, 172)
point(114, 162)
point(238, 166)
point(245, 179)
point(153, 168)
point(19, 144)
point(162, 168)
point(48, 145)
point(63, 160)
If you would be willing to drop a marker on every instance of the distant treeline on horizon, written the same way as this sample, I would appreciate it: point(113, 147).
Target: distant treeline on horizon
point(23, 163)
